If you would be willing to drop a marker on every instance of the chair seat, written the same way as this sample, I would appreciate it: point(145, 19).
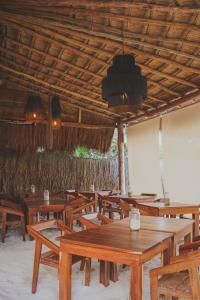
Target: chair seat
point(12, 218)
point(175, 284)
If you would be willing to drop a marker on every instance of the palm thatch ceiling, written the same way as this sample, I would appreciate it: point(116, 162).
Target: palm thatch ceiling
point(65, 47)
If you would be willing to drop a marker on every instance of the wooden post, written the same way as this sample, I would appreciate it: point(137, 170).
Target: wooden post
point(49, 130)
point(121, 164)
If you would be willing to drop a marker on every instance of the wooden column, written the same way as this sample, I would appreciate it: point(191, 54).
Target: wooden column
point(49, 130)
point(121, 162)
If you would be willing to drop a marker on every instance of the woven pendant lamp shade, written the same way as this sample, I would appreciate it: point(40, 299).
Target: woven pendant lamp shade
point(34, 111)
point(56, 113)
point(124, 88)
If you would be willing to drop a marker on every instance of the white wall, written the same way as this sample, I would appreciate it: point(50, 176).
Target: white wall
point(181, 154)
point(181, 151)
point(143, 157)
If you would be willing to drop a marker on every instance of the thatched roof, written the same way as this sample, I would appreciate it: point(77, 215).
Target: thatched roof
point(65, 47)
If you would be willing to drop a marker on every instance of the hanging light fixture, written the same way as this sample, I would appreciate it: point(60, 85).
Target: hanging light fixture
point(124, 88)
point(56, 113)
point(34, 111)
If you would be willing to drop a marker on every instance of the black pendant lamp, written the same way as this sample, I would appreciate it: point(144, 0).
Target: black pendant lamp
point(124, 88)
point(34, 111)
point(56, 113)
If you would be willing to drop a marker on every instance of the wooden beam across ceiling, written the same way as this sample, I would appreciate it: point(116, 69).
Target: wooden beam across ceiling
point(114, 17)
point(107, 4)
point(190, 99)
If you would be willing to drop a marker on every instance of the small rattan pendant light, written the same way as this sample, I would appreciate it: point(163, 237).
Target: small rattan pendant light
point(34, 111)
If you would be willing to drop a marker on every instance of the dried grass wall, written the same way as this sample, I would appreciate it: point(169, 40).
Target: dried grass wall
point(54, 171)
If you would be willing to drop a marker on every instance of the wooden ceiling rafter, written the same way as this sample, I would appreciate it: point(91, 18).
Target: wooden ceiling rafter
point(182, 81)
point(144, 67)
point(165, 46)
point(27, 85)
point(79, 31)
point(112, 41)
point(111, 4)
point(115, 44)
point(39, 81)
point(115, 17)
point(50, 77)
point(84, 25)
point(157, 84)
point(69, 84)
point(194, 97)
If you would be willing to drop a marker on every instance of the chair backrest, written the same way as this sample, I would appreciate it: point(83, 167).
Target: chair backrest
point(76, 203)
point(10, 204)
point(147, 210)
point(125, 207)
point(86, 206)
point(90, 220)
point(36, 231)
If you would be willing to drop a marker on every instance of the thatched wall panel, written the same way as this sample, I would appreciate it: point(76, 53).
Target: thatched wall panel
point(54, 171)
point(21, 137)
point(30, 137)
point(69, 138)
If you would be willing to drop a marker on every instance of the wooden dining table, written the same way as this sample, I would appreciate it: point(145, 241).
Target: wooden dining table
point(39, 205)
point(182, 229)
point(115, 244)
point(172, 209)
point(135, 198)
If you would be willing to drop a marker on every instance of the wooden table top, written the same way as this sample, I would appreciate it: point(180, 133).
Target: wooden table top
point(157, 224)
point(161, 205)
point(120, 239)
point(34, 203)
point(135, 198)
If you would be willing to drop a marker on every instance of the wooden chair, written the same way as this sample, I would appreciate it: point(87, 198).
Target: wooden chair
point(12, 214)
point(108, 270)
point(112, 206)
point(51, 257)
point(77, 208)
point(179, 279)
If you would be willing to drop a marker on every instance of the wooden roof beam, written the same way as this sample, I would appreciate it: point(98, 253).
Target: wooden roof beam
point(107, 4)
point(144, 67)
point(39, 81)
point(112, 16)
point(194, 97)
point(61, 61)
point(50, 69)
point(100, 37)
point(109, 41)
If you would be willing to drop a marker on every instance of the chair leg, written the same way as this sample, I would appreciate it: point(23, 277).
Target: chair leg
point(23, 228)
point(3, 230)
point(104, 272)
point(154, 288)
point(87, 271)
point(82, 264)
point(113, 272)
point(38, 249)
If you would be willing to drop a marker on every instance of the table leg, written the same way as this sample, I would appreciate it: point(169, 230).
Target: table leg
point(168, 253)
point(65, 273)
point(30, 221)
point(188, 238)
point(196, 224)
point(136, 282)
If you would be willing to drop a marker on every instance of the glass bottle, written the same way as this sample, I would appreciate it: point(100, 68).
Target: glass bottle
point(32, 188)
point(46, 195)
point(135, 219)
